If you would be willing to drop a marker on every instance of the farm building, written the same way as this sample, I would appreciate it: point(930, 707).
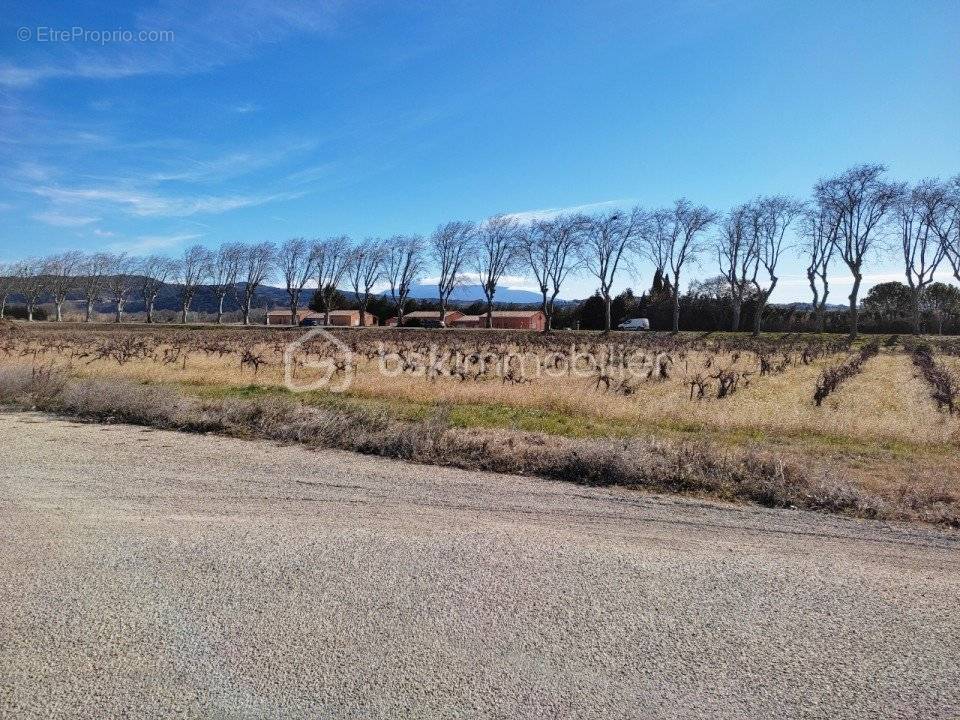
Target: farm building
point(469, 321)
point(282, 317)
point(338, 318)
point(505, 320)
point(419, 316)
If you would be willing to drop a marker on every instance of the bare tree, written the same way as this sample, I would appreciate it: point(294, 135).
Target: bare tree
point(366, 270)
point(656, 239)
point(331, 259)
point(550, 248)
point(63, 277)
point(497, 250)
point(919, 214)
point(609, 241)
point(8, 285)
point(403, 266)
point(255, 266)
point(154, 272)
point(861, 198)
point(119, 282)
point(773, 217)
point(194, 267)
point(92, 279)
point(738, 254)
point(296, 258)
point(682, 228)
point(33, 282)
point(224, 268)
point(452, 246)
point(821, 223)
point(947, 226)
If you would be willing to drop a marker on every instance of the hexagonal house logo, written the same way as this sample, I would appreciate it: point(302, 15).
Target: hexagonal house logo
point(317, 360)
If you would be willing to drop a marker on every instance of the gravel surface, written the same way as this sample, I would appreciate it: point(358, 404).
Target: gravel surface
point(154, 574)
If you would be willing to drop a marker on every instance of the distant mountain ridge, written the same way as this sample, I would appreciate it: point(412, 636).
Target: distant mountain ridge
point(268, 296)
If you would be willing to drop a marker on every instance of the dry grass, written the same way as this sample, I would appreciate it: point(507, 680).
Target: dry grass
point(887, 403)
point(881, 430)
point(644, 463)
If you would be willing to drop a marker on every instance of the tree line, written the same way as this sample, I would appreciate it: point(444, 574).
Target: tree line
point(851, 218)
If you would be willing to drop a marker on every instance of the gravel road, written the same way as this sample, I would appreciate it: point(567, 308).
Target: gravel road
point(155, 574)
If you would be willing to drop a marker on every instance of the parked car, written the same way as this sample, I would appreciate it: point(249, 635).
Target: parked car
point(634, 324)
point(433, 324)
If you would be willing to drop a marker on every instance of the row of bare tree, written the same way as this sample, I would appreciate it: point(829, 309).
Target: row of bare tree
point(851, 216)
point(235, 268)
point(854, 216)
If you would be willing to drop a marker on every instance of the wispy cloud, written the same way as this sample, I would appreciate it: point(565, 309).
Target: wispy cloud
point(202, 36)
point(509, 282)
point(550, 213)
point(59, 220)
point(235, 164)
point(145, 244)
point(869, 279)
point(145, 204)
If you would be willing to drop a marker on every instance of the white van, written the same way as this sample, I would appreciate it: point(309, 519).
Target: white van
point(635, 324)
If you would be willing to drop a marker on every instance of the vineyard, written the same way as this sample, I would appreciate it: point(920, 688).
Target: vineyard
point(884, 409)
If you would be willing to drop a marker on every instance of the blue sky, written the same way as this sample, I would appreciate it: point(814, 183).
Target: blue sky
point(262, 121)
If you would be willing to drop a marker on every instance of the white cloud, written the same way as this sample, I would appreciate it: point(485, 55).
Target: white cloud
point(144, 204)
point(204, 35)
point(144, 244)
point(59, 220)
point(549, 213)
point(869, 279)
point(234, 164)
point(509, 282)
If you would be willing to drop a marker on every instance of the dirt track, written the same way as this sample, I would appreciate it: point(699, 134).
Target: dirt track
point(153, 574)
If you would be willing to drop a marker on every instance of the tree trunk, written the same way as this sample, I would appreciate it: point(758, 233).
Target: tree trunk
point(854, 308)
point(149, 303)
point(220, 311)
point(30, 312)
point(89, 313)
point(676, 302)
point(821, 310)
point(293, 312)
point(183, 313)
point(607, 302)
point(3, 307)
point(247, 301)
point(489, 312)
point(326, 310)
point(363, 315)
point(915, 309)
point(59, 306)
point(762, 305)
point(735, 322)
point(758, 316)
point(547, 312)
point(118, 316)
